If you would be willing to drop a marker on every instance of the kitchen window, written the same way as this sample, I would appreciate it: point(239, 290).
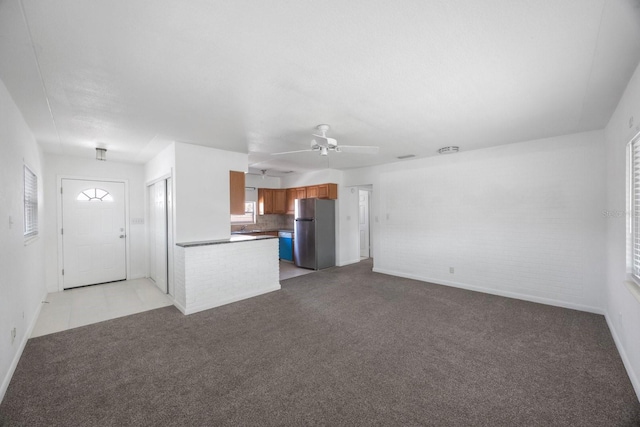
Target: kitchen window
point(249, 216)
point(30, 203)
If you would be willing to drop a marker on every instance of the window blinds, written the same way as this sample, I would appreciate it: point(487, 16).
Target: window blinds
point(30, 203)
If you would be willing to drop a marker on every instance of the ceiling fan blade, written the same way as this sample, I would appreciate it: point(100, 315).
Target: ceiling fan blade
point(291, 152)
point(361, 149)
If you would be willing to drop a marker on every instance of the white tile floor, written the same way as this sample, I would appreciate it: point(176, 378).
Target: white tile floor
point(289, 270)
point(83, 306)
point(92, 304)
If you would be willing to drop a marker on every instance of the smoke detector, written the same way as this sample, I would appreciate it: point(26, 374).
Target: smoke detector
point(449, 150)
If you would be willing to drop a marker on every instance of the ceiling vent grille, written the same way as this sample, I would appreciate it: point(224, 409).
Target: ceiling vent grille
point(449, 150)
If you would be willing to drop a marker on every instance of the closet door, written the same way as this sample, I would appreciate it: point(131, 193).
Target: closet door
point(158, 234)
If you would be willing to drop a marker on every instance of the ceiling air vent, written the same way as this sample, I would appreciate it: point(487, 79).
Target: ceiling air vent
point(449, 150)
point(406, 156)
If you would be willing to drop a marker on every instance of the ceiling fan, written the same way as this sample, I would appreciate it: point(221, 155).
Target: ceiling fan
point(323, 144)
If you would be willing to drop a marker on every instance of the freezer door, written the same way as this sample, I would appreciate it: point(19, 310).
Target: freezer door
point(305, 247)
point(305, 208)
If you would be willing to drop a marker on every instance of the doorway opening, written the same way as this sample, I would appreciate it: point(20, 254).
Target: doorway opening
point(364, 225)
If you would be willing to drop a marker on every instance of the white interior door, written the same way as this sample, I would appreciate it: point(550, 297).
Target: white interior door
point(170, 242)
point(363, 220)
point(93, 232)
point(158, 234)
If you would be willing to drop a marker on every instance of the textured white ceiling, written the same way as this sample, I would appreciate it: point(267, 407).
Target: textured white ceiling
point(257, 77)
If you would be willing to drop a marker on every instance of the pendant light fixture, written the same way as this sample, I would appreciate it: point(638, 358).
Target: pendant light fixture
point(101, 154)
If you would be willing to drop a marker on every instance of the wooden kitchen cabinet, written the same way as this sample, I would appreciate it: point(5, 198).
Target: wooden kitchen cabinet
point(279, 201)
point(328, 191)
point(312, 192)
point(272, 201)
point(236, 192)
point(291, 200)
point(282, 201)
point(301, 193)
point(265, 201)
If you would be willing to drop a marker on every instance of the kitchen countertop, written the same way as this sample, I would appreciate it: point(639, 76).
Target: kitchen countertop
point(232, 239)
point(261, 231)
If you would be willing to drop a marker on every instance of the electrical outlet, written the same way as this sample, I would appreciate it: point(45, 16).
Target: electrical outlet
point(13, 335)
point(451, 270)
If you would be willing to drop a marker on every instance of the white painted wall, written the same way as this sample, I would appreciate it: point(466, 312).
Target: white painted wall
point(22, 278)
point(521, 220)
point(201, 194)
point(252, 182)
point(623, 311)
point(56, 166)
point(162, 165)
point(313, 178)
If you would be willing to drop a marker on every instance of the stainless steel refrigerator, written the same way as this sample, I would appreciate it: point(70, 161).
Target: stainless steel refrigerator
point(315, 233)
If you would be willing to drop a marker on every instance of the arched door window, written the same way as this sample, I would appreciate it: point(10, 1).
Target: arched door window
point(94, 195)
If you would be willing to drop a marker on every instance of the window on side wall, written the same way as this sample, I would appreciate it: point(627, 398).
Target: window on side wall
point(30, 203)
point(249, 216)
point(633, 208)
point(633, 217)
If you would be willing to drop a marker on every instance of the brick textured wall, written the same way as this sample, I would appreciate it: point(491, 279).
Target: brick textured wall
point(522, 220)
point(214, 275)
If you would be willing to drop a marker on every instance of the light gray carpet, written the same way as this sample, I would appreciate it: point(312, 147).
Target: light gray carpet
point(343, 346)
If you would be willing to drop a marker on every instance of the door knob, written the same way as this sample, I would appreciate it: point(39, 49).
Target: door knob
point(122, 236)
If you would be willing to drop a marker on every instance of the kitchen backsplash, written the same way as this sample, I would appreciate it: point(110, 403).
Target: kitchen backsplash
point(269, 222)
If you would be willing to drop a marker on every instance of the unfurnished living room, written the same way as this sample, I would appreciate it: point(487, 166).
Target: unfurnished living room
point(319, 213)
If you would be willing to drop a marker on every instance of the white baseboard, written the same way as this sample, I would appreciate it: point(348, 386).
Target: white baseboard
point(623, 355)
point(516, 295)
point(23, 344)
point(197, 308)
point(177, 304)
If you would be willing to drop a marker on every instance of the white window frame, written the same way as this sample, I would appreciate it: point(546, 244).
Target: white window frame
point(30, 205)
point(249, 217)
point(633, 217)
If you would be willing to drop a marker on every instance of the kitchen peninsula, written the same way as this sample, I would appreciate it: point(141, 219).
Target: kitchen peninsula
point(217, 272)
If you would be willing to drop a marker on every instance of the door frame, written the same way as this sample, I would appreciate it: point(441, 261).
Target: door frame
point(127, 250)
point(369, 245)
point(170, 227)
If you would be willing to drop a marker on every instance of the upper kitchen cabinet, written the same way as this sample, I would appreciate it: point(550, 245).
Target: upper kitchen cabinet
point(236, 192)
point(323, 191)
point(312, 192)
point(265, 201)
point(272, 201)
point(283, 201)
point(291, 200)
point(279, 201)
point(328, 191)
point(301, 193)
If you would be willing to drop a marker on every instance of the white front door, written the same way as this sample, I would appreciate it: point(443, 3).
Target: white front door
point(363, 222)
point(93, 232)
